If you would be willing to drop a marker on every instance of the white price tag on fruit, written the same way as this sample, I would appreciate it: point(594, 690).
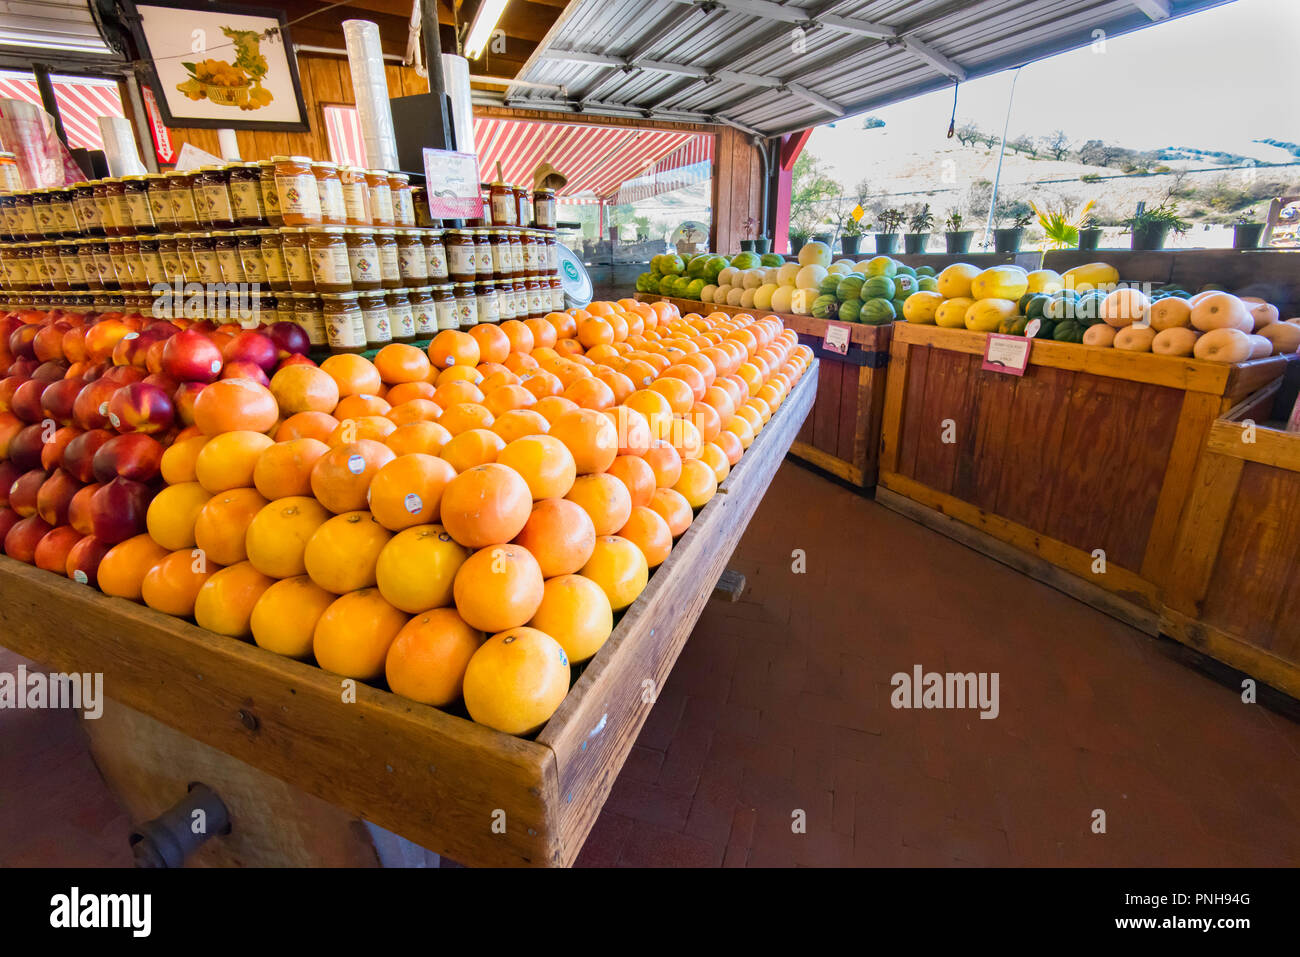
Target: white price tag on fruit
point(837, 338)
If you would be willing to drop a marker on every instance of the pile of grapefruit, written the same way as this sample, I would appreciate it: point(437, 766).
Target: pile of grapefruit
point(461, 523)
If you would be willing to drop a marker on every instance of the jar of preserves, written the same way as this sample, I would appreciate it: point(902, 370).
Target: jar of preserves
point(557, 295)
point(423, 313)
point(42, 212)
point(374, 314)
point(401, 318)
point(356, 196)
point(444, 306)
point(296, 186)
point(151, 261)
point(461, 255)
point(363, 258)
point(528, 245)
point(215, 191)
point(482, 254)
point(52, 267)
point(25, 214)
point(135, 280)
point(246, 195)
point(171, 260)
point(436, 256)
point(500, 244)
point(501, 202)
point(83, 197)
point(185, 212)
point(329, 187)
point(544, 208)
point(250, 256)
point(505, 301)
point(270, 194)
point(117, 265)
point(64, 213)
point(206, 264)
point(306, 310)
point(232, 267)
point(277, 270)
point(158, 192)
point(345, 329)
point(517, 254)
point(539, 297)
point(297, 259)
point(135, 196)
point(8, 217)
point(399, 186)
point(420, 200)
point(523, 214)
point(466, 305)
point(412, 262)
point(185, 256)
point(86, 255)
point(103, 209)
point(115, 190)
point(328, 250)
point(390, 275)
point(24, 268)
point(487, 306)
point(381, 197)
point(519, 289)
point(72, 267)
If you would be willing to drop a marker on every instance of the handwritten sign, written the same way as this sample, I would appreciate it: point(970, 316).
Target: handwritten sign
point(1008, 354)
point(837, 338)
point(452, 183)
point(162, 138)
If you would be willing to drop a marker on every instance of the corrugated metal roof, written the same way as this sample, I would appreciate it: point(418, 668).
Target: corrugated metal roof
point(773, 67)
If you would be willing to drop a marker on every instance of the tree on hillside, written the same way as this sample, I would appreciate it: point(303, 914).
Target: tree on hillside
point(811, 192)
point(1058, 144)
point(1097, 153)
point(1024, 144)
point(969, 133)
point(978, 197)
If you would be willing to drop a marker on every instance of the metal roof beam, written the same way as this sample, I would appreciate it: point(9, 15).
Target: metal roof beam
point(933, 57)
point(662, 66)
point(830, 106)
point(1154, 9)
point(782, 13)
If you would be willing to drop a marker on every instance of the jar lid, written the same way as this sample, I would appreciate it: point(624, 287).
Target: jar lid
point(421, 289)
point(268, 231)
point(162, 236)
point(292, 159)
point(135, 178)
point(332, 230)
point(292, 229)
point(324, 163)
point(211, 169)
point(351, 294)
point(385, 231)
point(404, 177)
point(378, 172)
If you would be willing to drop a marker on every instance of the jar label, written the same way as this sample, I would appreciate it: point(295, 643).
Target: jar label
point(73, 268)
point(27, 219)
point(183, 208)
point(446, 312)
point(216, 202)
point(376, 323)
point(137, 205)
point(354, 203)
point(232, 270)
point(312, 320)
point(254, 264)
point(388, 269)
point(153, 267)
point(270, 194)
point(344, 329)
point(329, 265)
point(297, 264)
point(332, 206)
point(381, 203)
point(411, 262)
point(425, 317)
point(402, 320)
point(436, 258)
point(171, 264)
point(276, 268)
point(87, 211)
point(208, 265)
point(403, 208)
point(160, 204)
point(503, 209)
point(363, 262)
point(460, 260)
point(246, 200)
point(505, 305)
point(488, 308)
point(466, 312)
point(298, 195)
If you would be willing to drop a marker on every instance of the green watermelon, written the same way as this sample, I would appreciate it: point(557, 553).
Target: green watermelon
point(671, 265)
point(849, 310)
point(926, 283)
point(850, 287)
point(713, 266)
point(881, 266)
point(694, 288)
point(878, 287)
point(904, 286)
point(825, 307)
point(904, 270)
point(877, 312)
point(898, 306)
point(829, 285)
point(695, 268)
point(746, 260)
point(925, 271)
point(772, 260)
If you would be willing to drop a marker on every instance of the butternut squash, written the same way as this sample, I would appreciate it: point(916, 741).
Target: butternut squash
point(1135, 338)
point(1221, 310)
point(1175, 341)
point(1223, 345)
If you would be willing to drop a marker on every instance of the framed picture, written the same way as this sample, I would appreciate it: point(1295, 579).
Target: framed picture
point(215, 66)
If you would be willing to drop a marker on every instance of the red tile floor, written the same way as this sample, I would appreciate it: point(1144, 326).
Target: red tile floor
point(780, 704)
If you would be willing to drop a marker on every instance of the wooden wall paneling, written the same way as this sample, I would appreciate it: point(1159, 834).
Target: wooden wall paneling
point(980, 463)
point(826, 411)
point(1286, 620)
point(1036, 423)
point(947, 396)
point(918, 382)
point(723, 175)
point(850, 385)
point(896, 383)
point(1200, 534)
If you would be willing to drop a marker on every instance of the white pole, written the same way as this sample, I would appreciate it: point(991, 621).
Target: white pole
point(997, 177)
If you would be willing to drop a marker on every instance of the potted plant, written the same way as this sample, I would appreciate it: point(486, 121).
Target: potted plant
point(918, 234)
point(1150, 227)
point(956, 238)
point(747, 244)
point(825, 236)
point(1007, 238)
point(887, 238)
point(1089, 232)
point(1061, 228)
point(798, 236)
point(1246, 233)
point(850, 235)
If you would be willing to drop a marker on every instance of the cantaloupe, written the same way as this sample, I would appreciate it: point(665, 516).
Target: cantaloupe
point(1223, 345)
point(1175, 341)
point(1221, 310)
point(1260, 347)
point(1285, 336)
point(1124, 307)
point(706, 294)
point(727, 277)
point(1134, 338)
point(734, 295)
point(752, 279)
point(1100, 334)
point(1169, 313)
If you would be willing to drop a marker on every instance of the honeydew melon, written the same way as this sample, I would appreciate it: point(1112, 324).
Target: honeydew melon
point(720, 294)
point(752, 279)
point(734, 295)
point(841, 268)
point(772, 275)
point(786, 274)
point(763, 295)
point(747, 298)
point(782, 299)
point(727, 277)
point(815, 253)
point(810, 277)
point(706, 294)
point(801, 301)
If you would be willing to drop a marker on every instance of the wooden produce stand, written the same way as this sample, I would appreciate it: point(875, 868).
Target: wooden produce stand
point(1076, 473)
point(1236, 596)
point(434, 778)
point(842, 435)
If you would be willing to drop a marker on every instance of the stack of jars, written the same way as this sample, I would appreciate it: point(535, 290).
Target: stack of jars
point(337, 250)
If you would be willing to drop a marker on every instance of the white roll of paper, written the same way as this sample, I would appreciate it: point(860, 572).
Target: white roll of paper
point(370, 89)
point(455, 77)
point(229, 145)
point(119, 147)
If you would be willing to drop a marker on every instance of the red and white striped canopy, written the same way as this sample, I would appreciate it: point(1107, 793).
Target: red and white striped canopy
point(690, 163)
point(82, 100)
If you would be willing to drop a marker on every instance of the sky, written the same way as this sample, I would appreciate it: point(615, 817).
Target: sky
point(1214, 80)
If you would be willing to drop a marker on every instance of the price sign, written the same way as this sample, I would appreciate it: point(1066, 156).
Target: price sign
point(452, 184)
point(837, 338)
point(162, 138)
point(1008, 354)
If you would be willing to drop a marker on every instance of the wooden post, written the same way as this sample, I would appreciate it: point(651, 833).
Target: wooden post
point(792, 145)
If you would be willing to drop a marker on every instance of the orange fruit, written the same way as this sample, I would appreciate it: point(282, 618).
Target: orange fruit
point(589, 436)
point(685, 438)
point(307, 425)
point(576, 613)
point(498, 587)
point(460, 374)
point(173, 512)
point(517, 423)
point(590, 393)
point(544, 334)
point(688, 374)
point(451, 347)
point(342, 553)
point(618, 383)
point(516, 680)
point(376, 428)
point(716, 459)
point(284, 618)
point(666, 462)
point(506, 398)
point(560, 535)
point(427, 660)
point(416, 568)
point(501, 377)
point(706, 419)
point(357, 406)
point(404, 392)
point(172, 584)
point(341, 477)
point(740, 426)
point(542, 383)
point(426, 437)
point(521, 363)
point(647, 530)
point(278, 534)
point(227, 460)
point(519, 335)
point(486, 505)
point(352, 637)
point(225, 602)
point(553, 406)
point(398, 363)
point(638, 477)
point(697, 483)
point(619, 568)
point(654, 407)
point(565, 325)
point(751, 414)
point(284, 468)
point(729, 443)
point(674, 509)
point(123, 568)
point(353, 374)
point(455, 391)
point(230, 405)
point(472, 447)
point(408, 490)
point(493, 344)
point(544, 462)
point(634, 434)
point(178, 460)
point(464, 416)
point(303, 388)
point(605, 498)
point(679, 394)
point(223, 522)
point(593, 332)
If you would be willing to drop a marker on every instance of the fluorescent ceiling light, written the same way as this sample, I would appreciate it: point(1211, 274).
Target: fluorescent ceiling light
point(480, 31)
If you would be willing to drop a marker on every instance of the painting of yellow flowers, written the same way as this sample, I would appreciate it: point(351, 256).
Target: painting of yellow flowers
point(219, 66)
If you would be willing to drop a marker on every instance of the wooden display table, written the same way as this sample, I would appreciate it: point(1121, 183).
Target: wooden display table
point(1077, 473)
point(842, 435)
point(432, 777)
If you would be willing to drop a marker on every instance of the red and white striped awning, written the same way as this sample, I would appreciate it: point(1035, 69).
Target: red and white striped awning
point(82, 100)
point(343, 130)
point(690, 163)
